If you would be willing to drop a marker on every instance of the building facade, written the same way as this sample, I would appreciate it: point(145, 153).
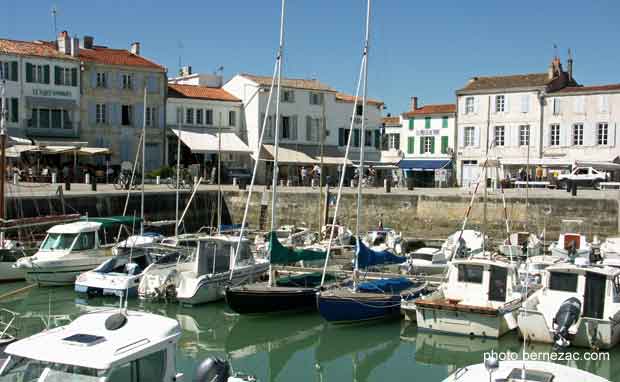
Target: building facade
point(114, 82)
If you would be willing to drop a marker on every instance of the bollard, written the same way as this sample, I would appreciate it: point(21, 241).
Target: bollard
point(54, 178)
point(312, 182)
point(234, 182)
point(15, 179)
point(87, 178)
point(352, 183)
point(387, 185)
point(574, 190)
point(158, 180)
point(93, 184)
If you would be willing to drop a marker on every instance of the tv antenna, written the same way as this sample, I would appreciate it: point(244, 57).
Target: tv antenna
point(180, 46)
point(54, 16)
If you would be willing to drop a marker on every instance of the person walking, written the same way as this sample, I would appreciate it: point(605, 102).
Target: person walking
point(316, 174)
point(304, 176)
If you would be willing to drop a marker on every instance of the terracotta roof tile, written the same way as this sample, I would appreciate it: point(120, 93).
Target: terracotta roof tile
point(507, 82)
point(449, 108)
point(200, 92)
point(391, 121)
point(594, 88)
point(350, 98)
point(122, 57)
point(34, 48)
point(296, 83)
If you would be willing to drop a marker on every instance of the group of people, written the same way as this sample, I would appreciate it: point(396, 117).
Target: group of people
point(307, 173)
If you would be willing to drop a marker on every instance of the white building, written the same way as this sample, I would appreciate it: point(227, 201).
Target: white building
point(501, 117)
point(306, 106)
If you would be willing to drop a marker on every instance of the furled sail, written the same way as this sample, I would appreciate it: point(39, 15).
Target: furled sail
point(280, 254)
point(367, 257)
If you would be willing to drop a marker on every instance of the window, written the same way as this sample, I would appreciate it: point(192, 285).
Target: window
point(151, 112)
point(288, 96)
point(199, 116)
point(65, 76)
point(344, 133)
point(56, 119)
point(11, 108)
point(102, 80)
point(554, 137)
point(469, 105)
point(127, 82)
point(313, 129)
point(356, 138)
point(500, 103)
point(410, 145)
point(126, 115)
point(427, 145)
point(578, 134)
point(565, 282)
point(66, 120)
point(602, 133)
point(525, 103)
point(285, 132)
point(50, 118)
point(468, 136)
point(44, 118)
point(444, 145)
point(189, 116)
point(100, 113)
point(149, 368)
point(232, 118)
point(368, 138)
point(524, 135)
point(316, 99)
point(427, 122)
point(86, 240)
point(500, 135)
point(209, 117)
point(470, 273)
point(411, 123)
point(556, 106)
point(394, 141)
point(4, 70)
point(37, 73)
point(444, 122)
point(359, 110)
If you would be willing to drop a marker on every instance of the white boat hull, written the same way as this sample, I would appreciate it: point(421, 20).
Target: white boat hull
point(60, 272)
point(418, 267)
point(10, 273)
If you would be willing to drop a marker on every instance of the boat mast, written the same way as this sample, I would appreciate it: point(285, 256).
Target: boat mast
point(143, 167)
point(362, 140)
point(180, 126)
point(219, 183)
point(486, 165)
point(3, 118)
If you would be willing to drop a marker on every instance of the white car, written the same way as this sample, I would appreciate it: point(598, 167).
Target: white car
point(583, 176)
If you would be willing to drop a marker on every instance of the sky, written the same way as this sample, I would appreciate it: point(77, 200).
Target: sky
point(427, 49)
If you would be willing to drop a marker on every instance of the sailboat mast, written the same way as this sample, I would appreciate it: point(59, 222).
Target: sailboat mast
point(180, 125)
point(143, 167)
point(219, 182)
point(3, 117)
point(362, 141)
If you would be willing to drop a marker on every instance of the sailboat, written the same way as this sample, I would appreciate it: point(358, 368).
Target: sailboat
point(295, 293)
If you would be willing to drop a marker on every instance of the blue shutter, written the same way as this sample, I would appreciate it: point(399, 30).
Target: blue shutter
point(115, 117)
point(92, 110)
point(93, 78)
point(161, 123)
point(119, 83)
point(138, 110)
point(138, 85)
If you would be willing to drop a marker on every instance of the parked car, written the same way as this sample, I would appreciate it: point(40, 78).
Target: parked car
point(243, 175)
point(583, 176)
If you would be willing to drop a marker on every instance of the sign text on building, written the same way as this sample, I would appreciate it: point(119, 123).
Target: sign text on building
point(51, 93)
point(427, 132)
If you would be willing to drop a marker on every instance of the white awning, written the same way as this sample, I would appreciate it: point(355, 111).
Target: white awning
point(286, 156)
point(603, 166)
point(59, 149)
point(19, 141)
point(93, 151)
point(545, 162)
point(206, 143)
point(16, 150)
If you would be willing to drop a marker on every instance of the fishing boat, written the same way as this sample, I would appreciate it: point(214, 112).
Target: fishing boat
point(577, 305)
point(70, 249)
point(108, 345)
point(384, 238)
point(121, 274)
point(481, 297)
point(572, 242)
point(521, 244)
point(495, 371)
point(532, 270)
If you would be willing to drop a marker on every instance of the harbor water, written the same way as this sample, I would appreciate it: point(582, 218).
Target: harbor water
point(296, 347)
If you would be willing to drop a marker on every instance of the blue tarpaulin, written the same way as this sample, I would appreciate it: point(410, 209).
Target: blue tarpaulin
point(366, 257)
point(425, 164)
point(394, 285)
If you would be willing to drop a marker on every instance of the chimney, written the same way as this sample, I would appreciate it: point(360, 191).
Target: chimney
point(414, 103)
point(88, 42)
point(75, 47)
point(64, 42)
point(569, 65)
point(135, 48)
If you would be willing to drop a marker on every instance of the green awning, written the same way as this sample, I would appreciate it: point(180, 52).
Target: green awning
point(280, 254)
point(112, 220)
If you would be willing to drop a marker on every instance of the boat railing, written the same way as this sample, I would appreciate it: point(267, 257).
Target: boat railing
point(7, 327)
point(459, 373)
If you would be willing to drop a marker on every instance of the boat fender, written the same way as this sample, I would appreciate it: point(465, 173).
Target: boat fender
point(212, 370)
point(115, 321)
point(567, 316)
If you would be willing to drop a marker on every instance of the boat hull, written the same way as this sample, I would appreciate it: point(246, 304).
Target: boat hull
point(57, 275)
point(261, 299)
point(10, 273)
point(357, 307)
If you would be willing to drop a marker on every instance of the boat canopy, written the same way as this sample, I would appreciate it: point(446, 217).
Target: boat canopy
point(366, 257)
point(394, 285)
point(280, 254)
point(112, 220)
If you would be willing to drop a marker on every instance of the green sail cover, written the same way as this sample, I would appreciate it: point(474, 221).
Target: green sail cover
point(280, 254)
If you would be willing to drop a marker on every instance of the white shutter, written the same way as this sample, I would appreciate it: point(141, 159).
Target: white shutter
point(514, 136)
point(477, 137)
point(604, 103)
point(309, 128)
point(460, 137)
point(578, 104)
point(612, 134)
point(546, 135)
point(476, 105)
point(294, 127)
point(462, 105)
point(506, 104)
point(525, 103)
point(566, 134)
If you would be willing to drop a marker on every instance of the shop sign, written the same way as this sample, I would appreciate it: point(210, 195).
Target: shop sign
point(51, 93)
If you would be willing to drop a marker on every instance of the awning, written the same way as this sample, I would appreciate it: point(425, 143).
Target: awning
point(286, 156)
point(603, 166)
point(59, 149)
point(16, 150)
point(19, 141)
point(206, 143)
point(93, 151)
point(545, 162)
point(52, 103)
point(425, 164)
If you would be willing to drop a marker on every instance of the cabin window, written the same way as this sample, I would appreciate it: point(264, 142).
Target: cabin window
point(85, 241)
point(149, 368)
point(58, 241)
point(471, 273)
point(563, 282)
point(244, 253)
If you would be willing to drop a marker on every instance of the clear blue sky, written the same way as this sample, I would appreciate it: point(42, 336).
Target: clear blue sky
point(423, 48)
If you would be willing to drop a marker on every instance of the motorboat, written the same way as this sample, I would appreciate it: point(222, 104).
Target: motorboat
point(110, 345)
point(521, 244)
point(532, 270)
point(433, 261)
point(121, 274)
point(572, 242)
point(70, 249)
point(480, 297)
point(9, 255)
point(207, 274)
point(384, 238)
point(135, 241)
point(521, 371)
point(610, 252)
point(579, 304)
point(342, 236)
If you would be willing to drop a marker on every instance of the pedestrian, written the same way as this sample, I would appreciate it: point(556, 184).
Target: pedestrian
point(304, 175)
point(316, 173)
point(539, 173)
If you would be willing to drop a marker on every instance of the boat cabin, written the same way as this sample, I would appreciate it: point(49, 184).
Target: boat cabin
point(102, 346)
point(140, 258)
point(571, 235)
point(216, 254)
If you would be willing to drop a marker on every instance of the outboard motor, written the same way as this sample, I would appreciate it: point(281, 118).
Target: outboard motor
point(212, 370)
point(567, 316)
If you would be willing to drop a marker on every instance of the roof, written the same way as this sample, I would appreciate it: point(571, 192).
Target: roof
point(141, 331)
point(108, 56)
point(342, 97)
point(507, 82)
point(586, 89)
point(75, 227)
point(200, 92)
point(297, 83)
point(391, 121)
point(201, 143)
point(449, 108)
point(32, 48)
point(574, 268)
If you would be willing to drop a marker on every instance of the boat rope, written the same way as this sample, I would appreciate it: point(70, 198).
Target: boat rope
point(369, 305)
point(17, 291)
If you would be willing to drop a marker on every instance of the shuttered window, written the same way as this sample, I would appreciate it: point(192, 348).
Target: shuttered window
point(410, 145)
point(444, 122)
point(411, 122)
point(444, 145)
point(427, 122)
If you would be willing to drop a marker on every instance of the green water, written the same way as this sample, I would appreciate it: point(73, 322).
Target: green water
point(297, 347)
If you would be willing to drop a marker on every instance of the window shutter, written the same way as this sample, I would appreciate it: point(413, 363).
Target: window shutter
point(410, 145)
point(341, 137)
point(310, 98)
point(604, 103)
point(525, 103)
point(432, 145)
point(14, 71)
point(356, 137)
point(422, 139)
point(476, 105)
point(138, 86)
point(378, 139)
point(476, 137)
point(444, 122)
point(292, 96)
point(460, 137)
point(506, 103)
point(160, 121)
point(57, 74)
point(309, 127)
point(138, 111)
point(115, 118)
point(444, 144)
point(14, 110)
point(427, 122)
point(74, 80)
point(294, 127)
point(46, 74)
point(322, 98)
point(28, 72)
point(92, 111)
